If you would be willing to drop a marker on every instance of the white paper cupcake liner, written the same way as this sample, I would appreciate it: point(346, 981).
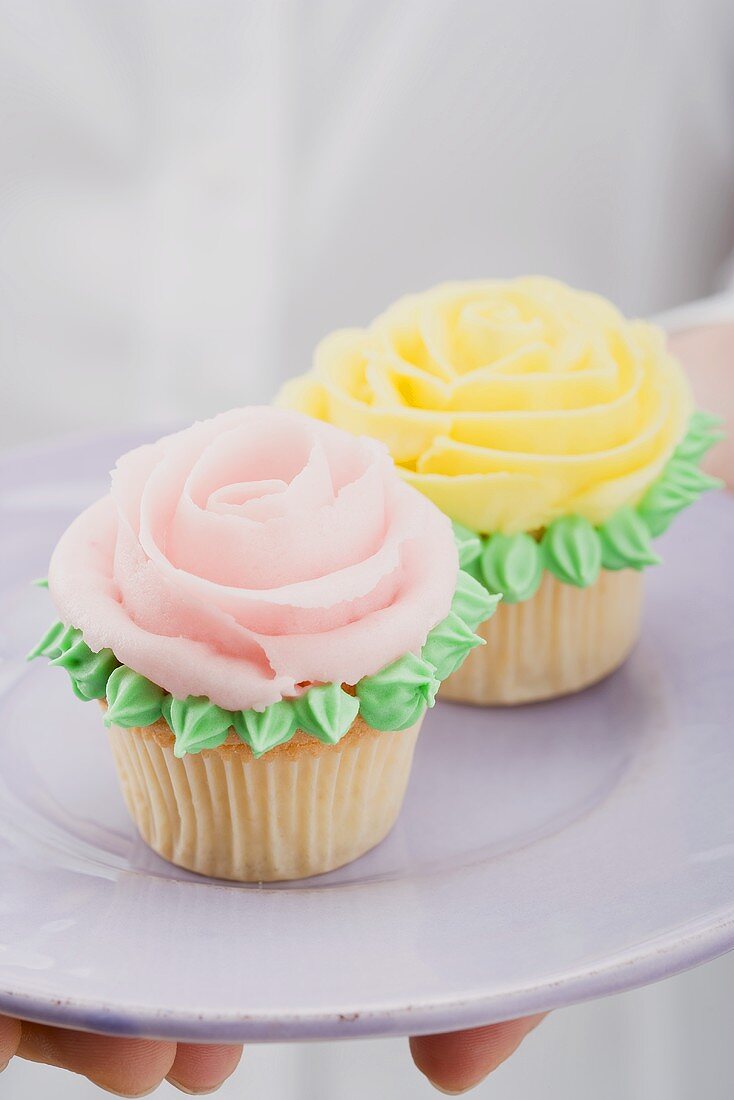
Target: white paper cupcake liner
point(301, 809)
point(560, 640)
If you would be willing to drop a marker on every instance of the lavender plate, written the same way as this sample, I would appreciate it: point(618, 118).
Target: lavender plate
point(545, 855)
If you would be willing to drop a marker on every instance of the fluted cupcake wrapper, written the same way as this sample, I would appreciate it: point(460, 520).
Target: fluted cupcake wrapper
point(299, 810)
point(560, 640)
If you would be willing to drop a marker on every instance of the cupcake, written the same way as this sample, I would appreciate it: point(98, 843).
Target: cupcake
point(264, 611)
point(557, 435)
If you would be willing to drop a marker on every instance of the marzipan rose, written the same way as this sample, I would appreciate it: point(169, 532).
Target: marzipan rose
point(507, 403)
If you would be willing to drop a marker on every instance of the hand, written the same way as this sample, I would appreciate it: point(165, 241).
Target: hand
point(458, 1061)
point(707, 353)
point(127, 1067)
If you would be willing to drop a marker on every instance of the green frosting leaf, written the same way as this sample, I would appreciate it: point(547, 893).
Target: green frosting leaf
point(326, 712)
point(681, 482)
point(73, 651)
point(132, 700)
point(89, 671)
point(55, 641)
point(689, 477)
point(512, 566)
point(662, 503)
point(80, 693)
point(65, 646)
point(703, 432)
point(40, 582)
point(704, 421)
point(263, 730)
point(571, 551)
point(448, 645)
point(625, 542)
point(197, 724)
point(472, 602)
point(468, 543)
point(397, 696)
point(474, 570)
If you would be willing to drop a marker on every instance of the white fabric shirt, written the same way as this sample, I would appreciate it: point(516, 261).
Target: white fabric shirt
point(192, 193)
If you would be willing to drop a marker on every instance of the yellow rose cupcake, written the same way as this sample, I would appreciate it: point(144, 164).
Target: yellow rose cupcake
point(557, 435)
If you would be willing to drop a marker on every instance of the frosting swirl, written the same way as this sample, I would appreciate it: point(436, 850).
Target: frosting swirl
point(509, 404)
point(253, 554)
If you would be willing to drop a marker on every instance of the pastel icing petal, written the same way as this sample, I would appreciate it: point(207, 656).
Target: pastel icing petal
point(360, 648)
point(500, 502)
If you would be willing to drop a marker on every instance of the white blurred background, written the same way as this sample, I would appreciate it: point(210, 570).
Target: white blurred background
point(192, 192)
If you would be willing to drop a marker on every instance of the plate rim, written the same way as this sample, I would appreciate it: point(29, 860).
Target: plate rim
point(666, 957)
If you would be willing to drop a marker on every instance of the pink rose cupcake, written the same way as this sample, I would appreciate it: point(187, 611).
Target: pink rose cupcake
point(265, 610)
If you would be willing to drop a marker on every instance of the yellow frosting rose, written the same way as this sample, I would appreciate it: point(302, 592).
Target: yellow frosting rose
point(507, 403)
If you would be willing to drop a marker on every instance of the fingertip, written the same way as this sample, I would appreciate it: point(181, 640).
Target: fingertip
point(200, 1068)
point(458, 1061)
point(135, 1068)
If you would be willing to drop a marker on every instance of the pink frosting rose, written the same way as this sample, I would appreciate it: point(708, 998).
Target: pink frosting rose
point(254, 553)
